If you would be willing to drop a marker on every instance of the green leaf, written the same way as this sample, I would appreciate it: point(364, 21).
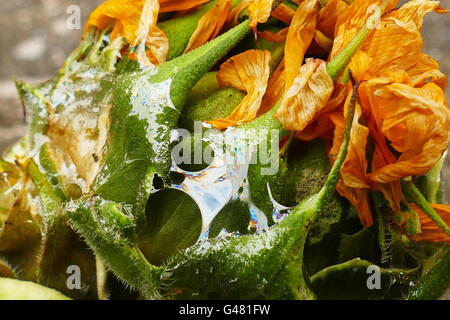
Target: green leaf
point(349, 280)
point(234, 218)
point(361, 245)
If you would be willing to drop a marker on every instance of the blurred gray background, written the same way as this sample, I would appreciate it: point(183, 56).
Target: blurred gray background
point(35, 40)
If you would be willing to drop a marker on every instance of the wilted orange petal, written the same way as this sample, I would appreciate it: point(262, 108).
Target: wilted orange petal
point(416, 10)
point(352, 20)
point(158, 46)
point(177, 5)
point(275, 89)
point(136, 21)
point(209, 25)
point(299, 37)
point(284, 13)
point(322, 127)
point(308, 94)
point(354, 168)
point(322, 41)
point(360, 199)
point(233, 15)
point(417, 123)
point(259, 11)
point(248, 71)
point(279, 37)
point(326, 20)
point(430, 230)
point(426, 70)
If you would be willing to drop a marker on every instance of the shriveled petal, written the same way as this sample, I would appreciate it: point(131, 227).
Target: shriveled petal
point(284, 13)
point(426, 70)
point(416, 10)
point(275, 89)
point(259, 11)
point(300, 35)
point(359, 198)
point(430, 230)
point(328, 15)
point(308, 94)
point(279, 37)
point(354, 168)
point(417, 123)
point(209, 25)
point(396, 46)
point(232, 18)
point(322, 127)
point(177, 5)
point(136, 21)
point(323, 121)
point(248, 71)
point(352, 20)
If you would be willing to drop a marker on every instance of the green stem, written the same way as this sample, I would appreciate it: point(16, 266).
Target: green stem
point(414, 195)
point(433, 180)
point(335, 173)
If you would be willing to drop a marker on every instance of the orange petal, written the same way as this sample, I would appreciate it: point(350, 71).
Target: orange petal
point(326, 20)
point(430, 230)
point(259, 11)
point(396, 46)
point(360, 199)
point(354, 168)
point(426, 70)
point(322, 127)
point(299, 38)
point(177, 5)
point(416, 10)
point(284, 13)
point(209, 25)
point(352, 20)
point(308, 94)
point(232, 18)
point(279, 37)
point(275, 89)
point(417, 123)
point(248, 71)
point(136, 21)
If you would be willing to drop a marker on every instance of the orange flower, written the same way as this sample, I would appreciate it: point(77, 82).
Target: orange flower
point(136, 21)
point(430, 230)
point(248, 71)
point(400, 108)
point(416, 121)
point(209, 25)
